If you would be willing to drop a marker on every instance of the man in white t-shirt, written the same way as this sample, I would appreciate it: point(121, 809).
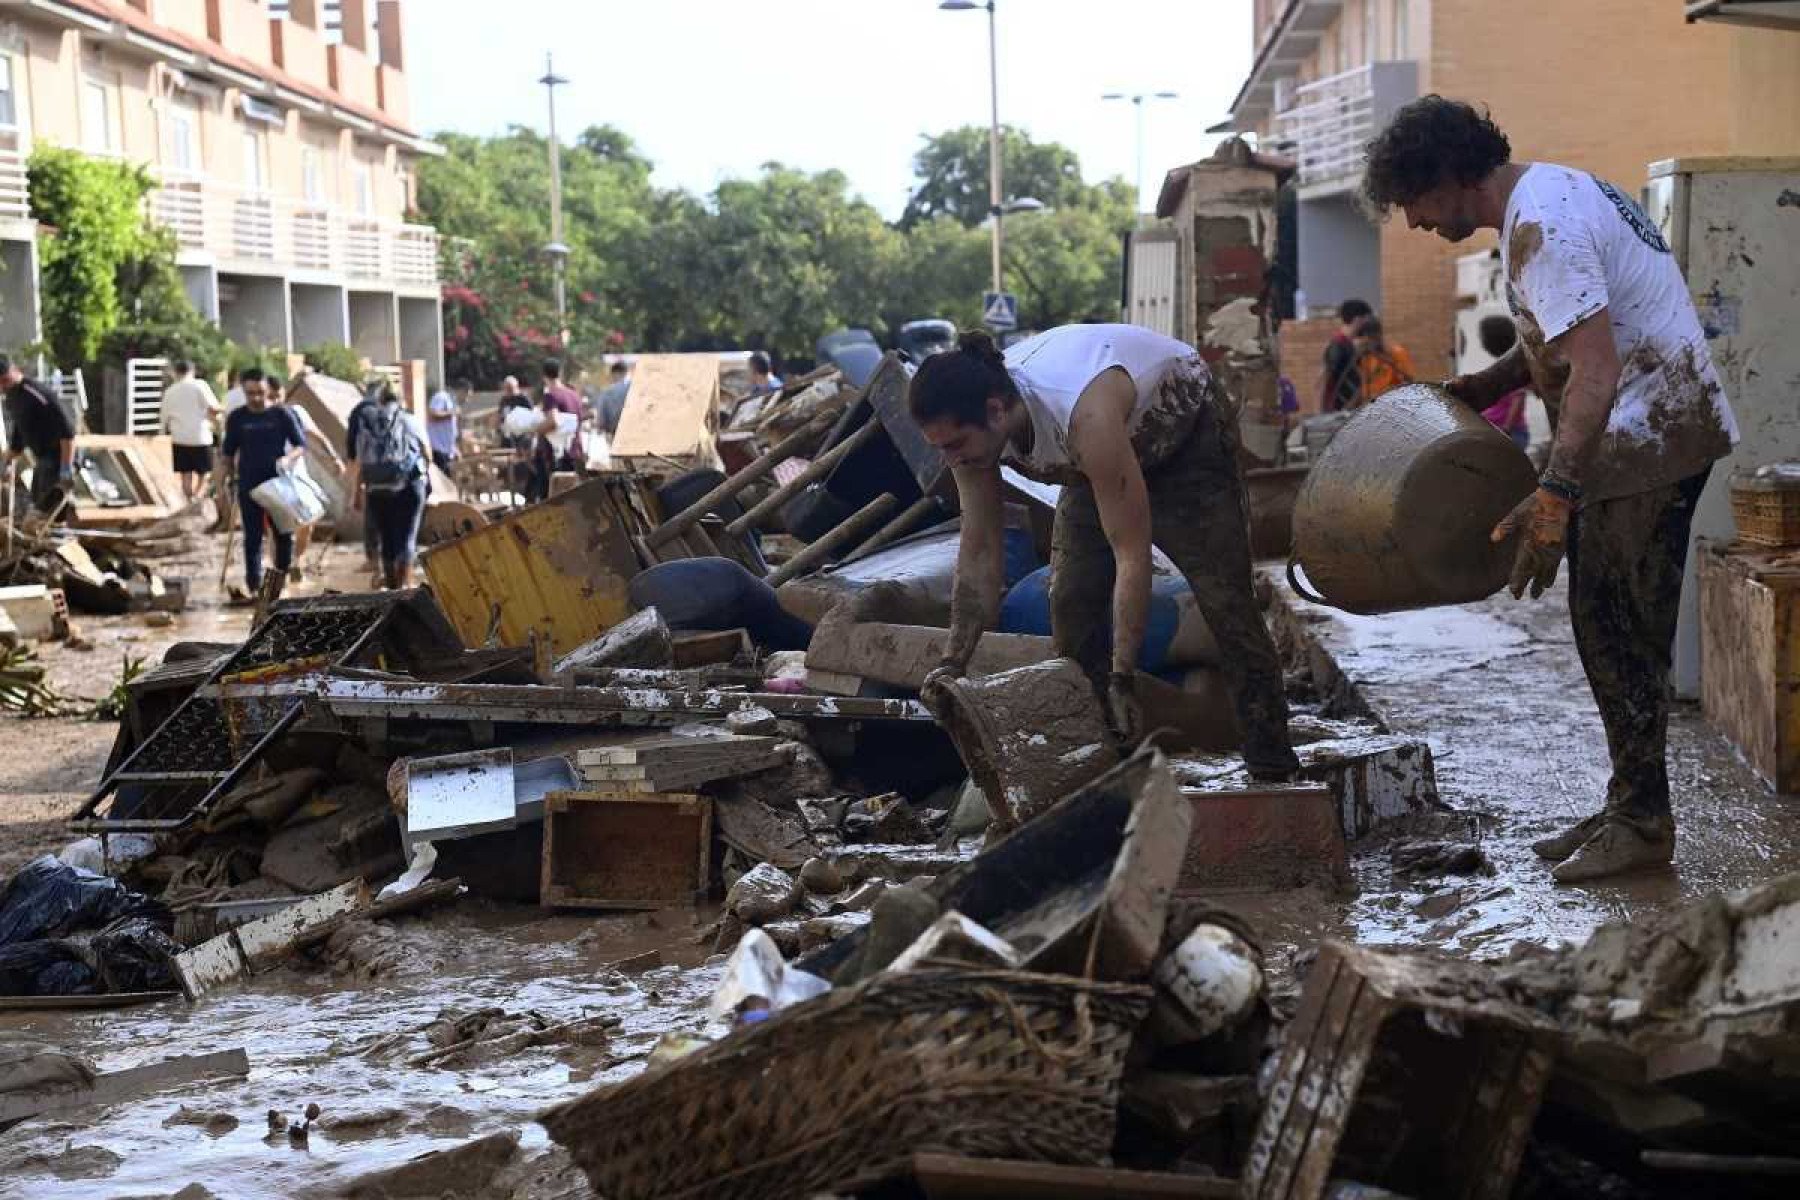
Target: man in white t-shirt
point(1609, 338)
point(189, 409)
point(441, 413)
point(1144, 442)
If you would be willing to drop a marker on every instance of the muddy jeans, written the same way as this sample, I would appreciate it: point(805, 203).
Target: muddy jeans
point(1626, 559)
point(1198, 518)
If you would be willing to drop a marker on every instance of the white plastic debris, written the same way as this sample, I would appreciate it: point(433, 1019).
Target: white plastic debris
point(418, 871)
point(1213, 978)
point(121, 850)
point(758, 978)
point(955, 938)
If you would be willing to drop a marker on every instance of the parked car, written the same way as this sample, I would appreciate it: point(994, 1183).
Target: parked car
point(855, 352)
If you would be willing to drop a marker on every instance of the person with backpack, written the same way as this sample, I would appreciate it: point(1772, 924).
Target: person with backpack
point(389, 451)
point(1381, 363)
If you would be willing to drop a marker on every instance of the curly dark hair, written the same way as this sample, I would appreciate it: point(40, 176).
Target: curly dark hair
point(1427, 142)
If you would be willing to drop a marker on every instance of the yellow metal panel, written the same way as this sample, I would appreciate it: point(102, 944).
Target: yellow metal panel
point(555, 573)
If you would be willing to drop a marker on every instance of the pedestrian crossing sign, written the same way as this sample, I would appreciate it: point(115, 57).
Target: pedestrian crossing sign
point(1000, 310)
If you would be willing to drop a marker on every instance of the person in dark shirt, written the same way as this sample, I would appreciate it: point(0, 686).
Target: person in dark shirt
point(261, 440)
point(36, 422)
point(1341, 385)
point(354, 426)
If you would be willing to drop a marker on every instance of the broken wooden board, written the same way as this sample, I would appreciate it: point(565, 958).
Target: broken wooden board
point(259, 943)
point(114, 1087)
point(902, 655)
point(672, 412)
point(100, 1001)
point(955, 1177)
point(1265, 837)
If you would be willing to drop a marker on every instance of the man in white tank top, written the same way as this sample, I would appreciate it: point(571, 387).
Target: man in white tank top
point(1144, 443)
point(1609, 338)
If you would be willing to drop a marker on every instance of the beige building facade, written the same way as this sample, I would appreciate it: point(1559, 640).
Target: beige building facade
point(282, 147)
point(1608, 86)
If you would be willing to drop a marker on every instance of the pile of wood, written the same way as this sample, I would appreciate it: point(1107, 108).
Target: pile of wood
point(677, 764)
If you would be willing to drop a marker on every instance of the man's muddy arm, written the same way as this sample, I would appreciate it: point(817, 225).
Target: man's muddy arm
point(1098, 438)
point(1587, 398)
point(1505, 374)
point(975, 597)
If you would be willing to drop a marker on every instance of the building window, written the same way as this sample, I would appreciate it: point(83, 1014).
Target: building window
point(312, 175)
point(255, 180)
point(184, 139)
point(1402, 28)
point(98, 131)
point(365, 190)
point(9, 105)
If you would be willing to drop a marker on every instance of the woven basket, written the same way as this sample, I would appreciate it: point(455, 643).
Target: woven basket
point(1766, 514)
point(841, 1091)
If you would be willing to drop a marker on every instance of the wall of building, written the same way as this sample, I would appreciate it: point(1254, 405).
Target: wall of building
point(1340, 252)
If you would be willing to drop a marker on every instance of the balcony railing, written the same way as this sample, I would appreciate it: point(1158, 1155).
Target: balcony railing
point(236, 226)
point(15, 195)
point(1331, 120)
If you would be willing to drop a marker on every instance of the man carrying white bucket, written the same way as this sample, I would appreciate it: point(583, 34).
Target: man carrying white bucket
point(1609, 339)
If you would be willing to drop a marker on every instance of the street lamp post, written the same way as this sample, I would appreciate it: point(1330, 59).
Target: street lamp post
point(1137, 101)
point(995, 210)
point(558, 250)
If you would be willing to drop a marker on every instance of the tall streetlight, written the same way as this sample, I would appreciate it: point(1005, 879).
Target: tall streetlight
point(1137, 101)
point(995, 212)
point(558, 250)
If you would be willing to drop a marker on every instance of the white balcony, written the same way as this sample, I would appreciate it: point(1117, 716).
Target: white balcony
point(1331, 120)
point(262, 233)
point(15, 194)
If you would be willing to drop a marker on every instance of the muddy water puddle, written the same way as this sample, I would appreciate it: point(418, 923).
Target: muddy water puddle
point(307, 1032)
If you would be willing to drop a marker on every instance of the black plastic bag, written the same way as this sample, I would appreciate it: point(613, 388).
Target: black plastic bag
point(131, 955)
point(48, 898)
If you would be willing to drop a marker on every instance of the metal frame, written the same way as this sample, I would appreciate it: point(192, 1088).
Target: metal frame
point(209, 690)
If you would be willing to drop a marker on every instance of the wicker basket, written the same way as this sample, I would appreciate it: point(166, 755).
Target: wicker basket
point(1766, 510)
point(841, 1091)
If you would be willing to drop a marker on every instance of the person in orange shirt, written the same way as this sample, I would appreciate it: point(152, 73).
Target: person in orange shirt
point(1381, 364)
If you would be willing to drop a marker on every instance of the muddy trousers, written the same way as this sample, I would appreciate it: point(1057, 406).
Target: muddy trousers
point(1199, 519)
point(254, 520)
point(1626, 559)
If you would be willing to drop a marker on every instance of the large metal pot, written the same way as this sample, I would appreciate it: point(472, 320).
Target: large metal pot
point(1397, 510)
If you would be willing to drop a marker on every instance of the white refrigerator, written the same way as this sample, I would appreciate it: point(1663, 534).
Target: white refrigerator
point(1734, 226)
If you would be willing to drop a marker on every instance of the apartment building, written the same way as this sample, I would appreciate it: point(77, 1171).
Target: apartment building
point(282, 145)
point(1606, 85)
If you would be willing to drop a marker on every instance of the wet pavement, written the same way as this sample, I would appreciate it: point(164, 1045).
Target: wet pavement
point(1497, 689)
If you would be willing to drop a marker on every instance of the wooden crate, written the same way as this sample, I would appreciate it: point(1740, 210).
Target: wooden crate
point(1750, 655)
point(606, 849)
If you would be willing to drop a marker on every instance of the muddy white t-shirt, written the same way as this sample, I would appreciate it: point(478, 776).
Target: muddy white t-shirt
point(1573, 245)
point(1053, 368)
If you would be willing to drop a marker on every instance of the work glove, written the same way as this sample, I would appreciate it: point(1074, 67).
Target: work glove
point(1542, 521)
point(1469, 391)
point(1123, 711)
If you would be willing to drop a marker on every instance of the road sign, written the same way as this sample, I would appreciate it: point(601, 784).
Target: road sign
point(999, 310)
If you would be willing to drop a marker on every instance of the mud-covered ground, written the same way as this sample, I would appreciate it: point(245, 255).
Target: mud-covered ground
point(1495, 687)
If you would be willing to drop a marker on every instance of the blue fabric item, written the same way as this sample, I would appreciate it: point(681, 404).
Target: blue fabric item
point(1026, 609)
point(1018, 556)
point(717, 593)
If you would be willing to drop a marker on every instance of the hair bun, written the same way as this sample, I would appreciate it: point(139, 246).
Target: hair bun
point(978, 344)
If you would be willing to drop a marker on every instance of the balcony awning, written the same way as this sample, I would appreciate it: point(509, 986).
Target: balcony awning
point(255, 109)
point(1761, 14)
point(1296, 36)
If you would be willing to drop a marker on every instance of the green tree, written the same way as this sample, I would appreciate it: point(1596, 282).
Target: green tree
point(94, 209)
point(952, 173)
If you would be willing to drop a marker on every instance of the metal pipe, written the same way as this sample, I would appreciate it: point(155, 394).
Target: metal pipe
point(994, 180)
point(853, 527)
point(817, 469)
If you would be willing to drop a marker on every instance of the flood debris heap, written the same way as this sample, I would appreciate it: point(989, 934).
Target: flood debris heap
point(976, 950)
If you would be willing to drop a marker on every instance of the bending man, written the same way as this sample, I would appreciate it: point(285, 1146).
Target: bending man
point(1144, 443)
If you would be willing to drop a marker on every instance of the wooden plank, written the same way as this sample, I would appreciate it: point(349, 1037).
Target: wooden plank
point(62, 1003)
point(902, 655)
point(673, 411)
point(953, 1177)
point(116, 1086)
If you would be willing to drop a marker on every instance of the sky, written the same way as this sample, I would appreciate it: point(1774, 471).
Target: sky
point(711, 89)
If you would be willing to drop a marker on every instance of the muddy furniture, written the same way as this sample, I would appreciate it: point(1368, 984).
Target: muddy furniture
point(1402, 1072)
point(1750, 655)
point(837, 1092)
point(612, 849)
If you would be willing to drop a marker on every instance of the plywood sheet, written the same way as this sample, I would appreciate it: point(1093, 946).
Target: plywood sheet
point(672, 409)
